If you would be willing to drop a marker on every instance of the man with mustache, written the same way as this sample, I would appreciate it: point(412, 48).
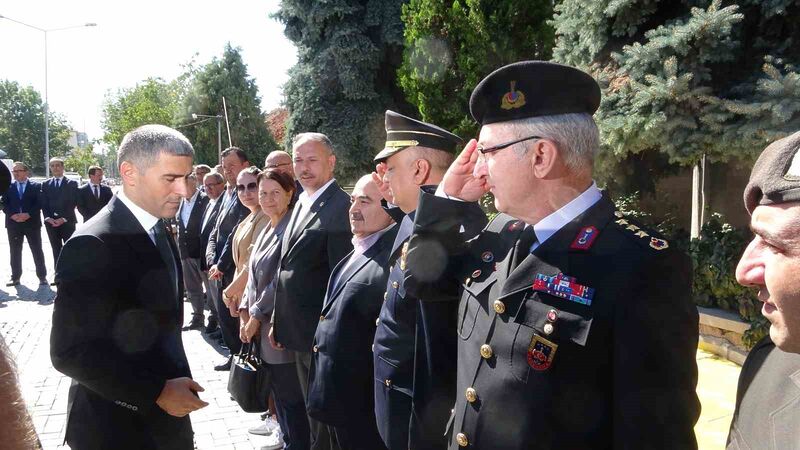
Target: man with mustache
point(768, 397)
point(340, 384)
point(316, 239)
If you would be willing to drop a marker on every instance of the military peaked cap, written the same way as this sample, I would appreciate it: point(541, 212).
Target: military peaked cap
point(776, 175)
point(403, 132)
point(533, 88)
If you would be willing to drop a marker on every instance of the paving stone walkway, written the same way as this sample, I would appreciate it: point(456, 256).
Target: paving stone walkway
point(25, 314)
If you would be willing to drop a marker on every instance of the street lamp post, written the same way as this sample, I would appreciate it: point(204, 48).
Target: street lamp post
point(46, 105)
point(219, 132)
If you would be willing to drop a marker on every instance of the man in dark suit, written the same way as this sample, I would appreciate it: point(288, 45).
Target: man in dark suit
point(213, 187)
point(189, 220)
point(415, 342)
point(576, 326)
point(219, 253)
point(768, 397)
point(340, 383)
point(93, 196)
point(59, 200)
point(316, 239)
point(118, 311)
point(23, 221)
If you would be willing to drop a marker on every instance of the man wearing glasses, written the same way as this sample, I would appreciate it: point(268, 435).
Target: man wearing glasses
point(576, 326)
point(213, 186)
point(281, 161)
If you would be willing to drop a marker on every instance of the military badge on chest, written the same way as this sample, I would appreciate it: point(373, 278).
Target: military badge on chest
point(541, 353)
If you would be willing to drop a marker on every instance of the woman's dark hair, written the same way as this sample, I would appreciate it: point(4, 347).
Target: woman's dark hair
point(284, 180)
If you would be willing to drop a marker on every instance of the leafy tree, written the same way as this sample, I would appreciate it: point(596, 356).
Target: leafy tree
point(80, 159)
point(225, 77)
point(150, 101)
point(683, 79)
point(451, 45)
point(22, 126)
point(345, 78)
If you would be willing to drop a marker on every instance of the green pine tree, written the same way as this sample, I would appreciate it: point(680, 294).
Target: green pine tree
point(683, 79)
point(345, 77)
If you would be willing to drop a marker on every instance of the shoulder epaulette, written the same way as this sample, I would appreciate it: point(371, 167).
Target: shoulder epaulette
point(645, 237)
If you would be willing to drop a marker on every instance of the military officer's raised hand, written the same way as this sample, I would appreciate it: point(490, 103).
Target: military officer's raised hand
point(383, 187)
point(461, 180)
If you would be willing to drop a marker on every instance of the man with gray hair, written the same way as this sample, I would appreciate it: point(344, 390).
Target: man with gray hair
point(119, 308)
point(317, 237)
point(576, 326)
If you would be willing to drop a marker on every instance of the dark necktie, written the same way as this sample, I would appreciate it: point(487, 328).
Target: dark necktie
point(58, 183)
point(96, 192)
point(523, 246)
point(162, 243)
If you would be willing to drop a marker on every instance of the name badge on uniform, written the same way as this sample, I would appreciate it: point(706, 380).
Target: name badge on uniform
point(541, 353)
point(403, 256)
point(565, 287)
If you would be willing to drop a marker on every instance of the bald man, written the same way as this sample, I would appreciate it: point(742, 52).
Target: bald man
point(281, 161)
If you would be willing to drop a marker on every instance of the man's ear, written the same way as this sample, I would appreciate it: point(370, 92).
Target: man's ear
point(422, 171)
point(332, 161)
point(129, 173)
point(544, 157)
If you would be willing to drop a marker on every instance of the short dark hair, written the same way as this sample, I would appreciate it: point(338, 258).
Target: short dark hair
point(24, 166)
point(142, 146)
point(283, 179)
point(93, 170)
point(251, 170)
point(239, 152)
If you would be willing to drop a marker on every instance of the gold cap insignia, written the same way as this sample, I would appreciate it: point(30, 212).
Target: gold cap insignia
point(513, 99)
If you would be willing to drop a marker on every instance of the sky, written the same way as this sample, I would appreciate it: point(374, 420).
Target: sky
point(134, 40)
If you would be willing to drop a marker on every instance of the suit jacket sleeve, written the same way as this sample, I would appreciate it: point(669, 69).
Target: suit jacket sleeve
point(81, 203)
point(225, 261)
point(44, 200)
point(340, 238)
point(442, 228)
point(211, 248)
point(84, 319)
point(655, 341)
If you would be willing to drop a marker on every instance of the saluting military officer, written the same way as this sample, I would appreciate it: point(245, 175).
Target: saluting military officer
point(576, 326)
point(414, 364)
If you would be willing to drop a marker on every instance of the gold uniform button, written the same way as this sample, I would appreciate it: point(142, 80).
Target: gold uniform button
point(377, 321)
point(548, 328)
point(395, 284)
point(462, 440)
point(321, 318)
point(499, 307)
point(486, 351)
point(385, 296)
point(388, 382)
point(468, 281)
point(315, 349)
point(471, 395)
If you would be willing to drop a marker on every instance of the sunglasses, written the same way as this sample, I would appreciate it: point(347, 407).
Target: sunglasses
point(504, 145)
point(249, 187)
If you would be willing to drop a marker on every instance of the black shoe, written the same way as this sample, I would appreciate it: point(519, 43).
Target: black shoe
point(53, 284)
point(212, 326)
point(216, 334)
point(225, 366)
point(195, 324)
point(12, 283)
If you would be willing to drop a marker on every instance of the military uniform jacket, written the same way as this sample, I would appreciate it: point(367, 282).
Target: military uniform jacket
point(538, 371)
point(340, 383)
point(767, 401)
point(414, 351)
point(117, 333)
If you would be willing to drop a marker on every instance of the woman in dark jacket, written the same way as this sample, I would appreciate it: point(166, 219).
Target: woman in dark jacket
point(275, 193)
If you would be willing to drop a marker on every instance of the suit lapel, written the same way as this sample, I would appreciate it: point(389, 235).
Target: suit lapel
point(301, 223)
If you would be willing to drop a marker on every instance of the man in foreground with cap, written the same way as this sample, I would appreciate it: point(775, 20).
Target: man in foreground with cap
point(576, 327)
point(415, 343)
point(768, 398)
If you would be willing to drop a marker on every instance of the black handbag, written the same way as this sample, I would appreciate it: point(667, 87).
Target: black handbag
point(249, 382)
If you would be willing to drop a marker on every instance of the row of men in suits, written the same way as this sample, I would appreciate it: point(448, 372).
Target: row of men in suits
point(26, 202)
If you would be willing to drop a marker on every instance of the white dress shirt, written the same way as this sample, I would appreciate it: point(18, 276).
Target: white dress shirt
point(145, 219)
point(186, 208)
point(307, 201)
point(557, 220)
